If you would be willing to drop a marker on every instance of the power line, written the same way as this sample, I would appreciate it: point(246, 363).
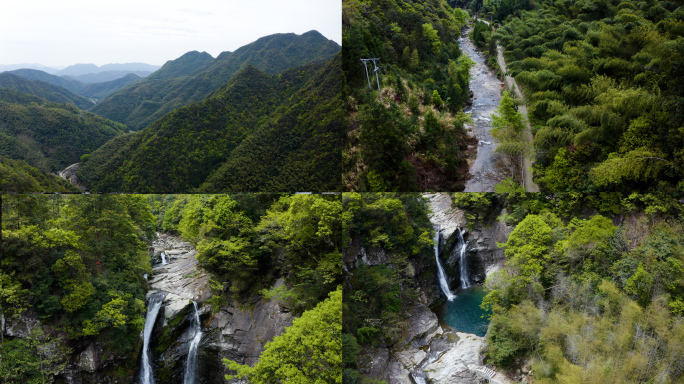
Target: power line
point(375, 69)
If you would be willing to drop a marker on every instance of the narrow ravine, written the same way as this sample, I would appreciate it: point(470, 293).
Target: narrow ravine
point(486, 89)
point(177, 283)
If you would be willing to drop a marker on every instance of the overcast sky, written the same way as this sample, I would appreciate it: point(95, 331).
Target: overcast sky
point(66, 32)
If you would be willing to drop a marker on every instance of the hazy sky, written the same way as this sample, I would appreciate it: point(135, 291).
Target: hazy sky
point(65, 32)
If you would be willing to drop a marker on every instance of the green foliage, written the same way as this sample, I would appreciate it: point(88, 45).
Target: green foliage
point(377, 297)
point(17, 176)
point(48, 135)
point(237, 235)
point(36, 359)
point(388, 144)
point(77, 261)
point(605, 95)
point(53, 93)
point(567, 285)
point(310, 351)
point(195, 76)
point(290, 129)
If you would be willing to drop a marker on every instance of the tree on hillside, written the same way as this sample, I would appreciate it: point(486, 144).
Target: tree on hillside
point(310, 351)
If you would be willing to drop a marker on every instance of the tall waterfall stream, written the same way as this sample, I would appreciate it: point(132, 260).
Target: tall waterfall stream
point(153, 307)
point(191, 365)
point(443, 283)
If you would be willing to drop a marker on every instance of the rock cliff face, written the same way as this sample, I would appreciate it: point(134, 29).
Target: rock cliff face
point(430, 351)
point(482, 254)
point(237, 330)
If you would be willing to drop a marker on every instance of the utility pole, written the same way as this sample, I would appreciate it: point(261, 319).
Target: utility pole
point(375, 69)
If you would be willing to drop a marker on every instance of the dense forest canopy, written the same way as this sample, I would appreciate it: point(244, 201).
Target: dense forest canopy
point(17, 176)
point(76, 263)
point(49, 135)
point(44, 90)
point(377, 298)
point(586, 300)
point(194, 76)
point(258, 132)
point(603, 80)
point(410, 135)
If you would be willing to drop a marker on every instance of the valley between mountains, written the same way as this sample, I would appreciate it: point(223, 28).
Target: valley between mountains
point(266, 117)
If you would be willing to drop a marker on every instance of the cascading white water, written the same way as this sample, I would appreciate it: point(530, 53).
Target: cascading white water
point(442, 276)
point(191, 365)
point(462, 261)
point(153, 307)
point(163, 256)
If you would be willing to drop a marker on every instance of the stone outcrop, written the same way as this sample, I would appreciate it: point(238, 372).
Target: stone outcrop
point(429, 351)
point(69, 173)
point(237, 330)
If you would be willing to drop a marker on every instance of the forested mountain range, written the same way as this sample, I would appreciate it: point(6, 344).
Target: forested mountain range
point(604, 81)
point(409, 135)
point(64, 82)
point(18, 176)
point(85, 69)
point(102, 77)
point(43, 90)
point(49, 135)
point(257, 132)
point(194, 76)
point(276, 128)
point(103, 89)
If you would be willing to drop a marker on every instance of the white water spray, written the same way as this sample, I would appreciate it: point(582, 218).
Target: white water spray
point(163, 256)
point(442, 276)
point(462, 261)
point(153, 307)
point(191, 365)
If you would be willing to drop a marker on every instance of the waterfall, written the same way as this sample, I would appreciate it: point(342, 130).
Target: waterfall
point(191, 365)
point(462, 261)
point(163, 256)
point(153, 307)
point(442, 276)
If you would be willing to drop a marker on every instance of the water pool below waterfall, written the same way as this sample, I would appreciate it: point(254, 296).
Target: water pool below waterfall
point(464, 314)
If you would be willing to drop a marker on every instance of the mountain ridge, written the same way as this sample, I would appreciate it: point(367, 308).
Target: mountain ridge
point(141, 104)
point(44, 90)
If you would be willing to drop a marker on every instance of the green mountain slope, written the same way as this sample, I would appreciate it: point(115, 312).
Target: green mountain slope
point(102, 90)
point(409, 136)
point(44, 90)
point(182, 66)
point(102, 77)
point(178, 152)
point(604, 81)
point(183, 81)
point(64, 82)
point(17, 176)
point(298, 150)
point(49, 135)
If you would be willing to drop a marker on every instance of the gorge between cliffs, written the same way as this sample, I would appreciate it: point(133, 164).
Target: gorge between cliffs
point(429, 349)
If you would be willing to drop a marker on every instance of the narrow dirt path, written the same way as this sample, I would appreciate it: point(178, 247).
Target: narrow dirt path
point(528, 182)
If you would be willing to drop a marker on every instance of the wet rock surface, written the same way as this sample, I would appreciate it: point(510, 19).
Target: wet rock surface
point(486, 88)
point(430, 351)
point(181, 275)
point(237, 330)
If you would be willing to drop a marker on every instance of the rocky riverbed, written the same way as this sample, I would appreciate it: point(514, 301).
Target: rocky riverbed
point(430, 351)
point(486, 88)
point(237, 330)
